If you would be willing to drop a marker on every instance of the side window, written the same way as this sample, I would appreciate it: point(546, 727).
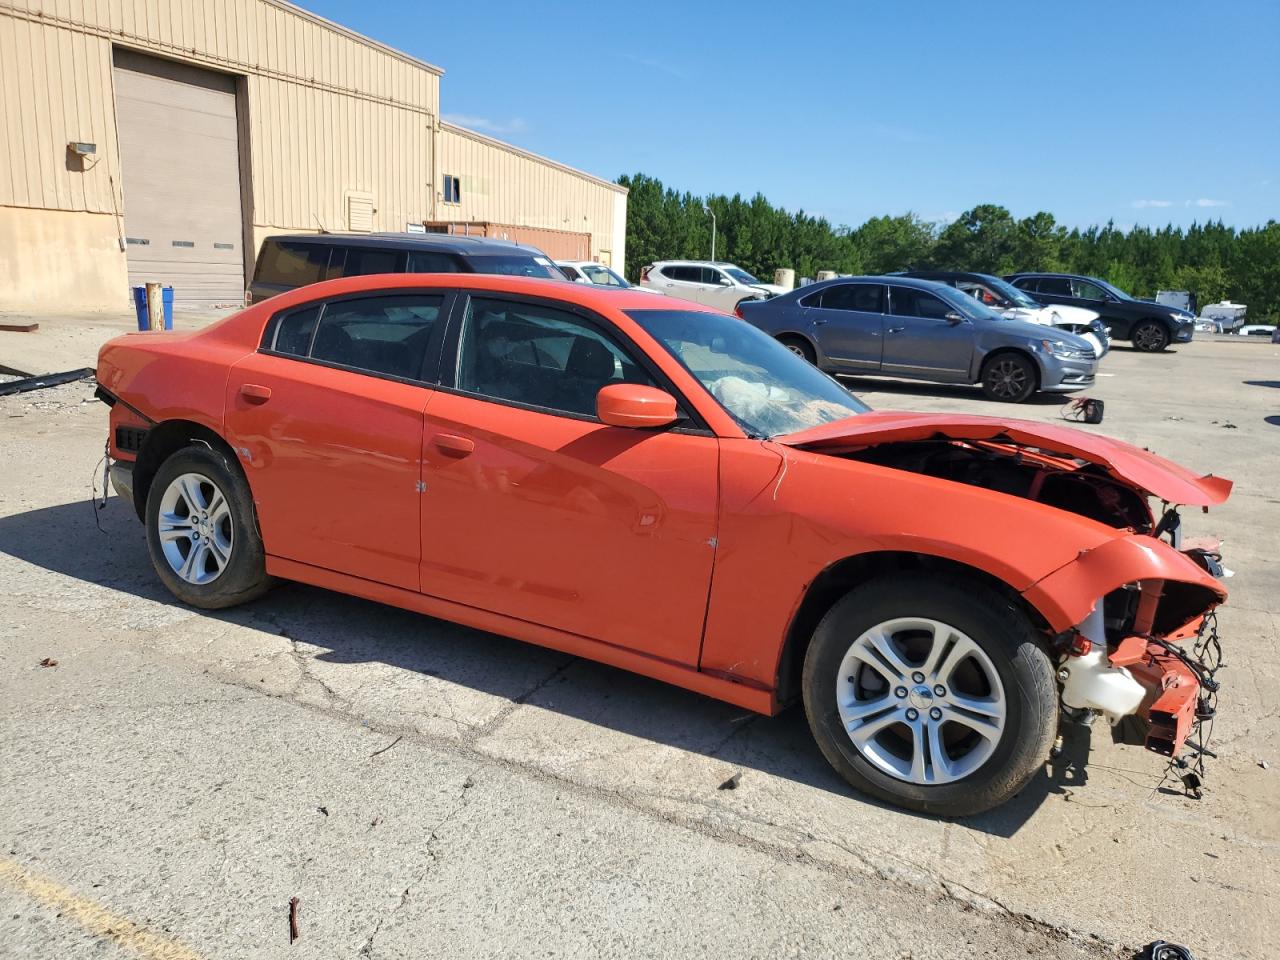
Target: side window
point(981, 293)
point(1086, 290)
point(528, 353)
point(366, 260)
point(907, 302)
point(431, 261)
point(379, 334)
point(864, 297)
point(295, 264)
point(684, 274)
point(1055, 286)
point(714, 276)
point(569, 272)
point(294, 332)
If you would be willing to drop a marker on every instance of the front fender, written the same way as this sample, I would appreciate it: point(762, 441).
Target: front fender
point(1066, 596)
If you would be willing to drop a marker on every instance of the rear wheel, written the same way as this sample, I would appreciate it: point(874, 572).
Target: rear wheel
point(800, 347)
point(1149, 336)
point(201, 530)
point(1009, 378)
point(930, 693)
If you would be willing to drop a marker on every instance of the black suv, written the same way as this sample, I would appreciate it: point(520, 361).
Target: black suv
point(1151, 326)
point(295, 261)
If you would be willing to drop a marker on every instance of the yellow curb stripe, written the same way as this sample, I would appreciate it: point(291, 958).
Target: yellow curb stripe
point(94, 917)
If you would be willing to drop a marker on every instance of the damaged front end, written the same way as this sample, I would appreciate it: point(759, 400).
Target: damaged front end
point(1146, 658)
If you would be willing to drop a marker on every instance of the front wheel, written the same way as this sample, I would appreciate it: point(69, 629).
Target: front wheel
point(930, 693)
point(1150, 336)
point(202, 532)
point(1009, 378)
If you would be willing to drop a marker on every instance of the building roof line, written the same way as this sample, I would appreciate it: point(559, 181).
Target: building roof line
point(359, 37)
point(529, 154)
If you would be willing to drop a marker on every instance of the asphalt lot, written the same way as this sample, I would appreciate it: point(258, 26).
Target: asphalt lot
point(428, 790)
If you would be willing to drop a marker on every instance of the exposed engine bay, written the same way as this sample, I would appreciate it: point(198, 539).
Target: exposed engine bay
point(1123, 663)
point(1067, 484)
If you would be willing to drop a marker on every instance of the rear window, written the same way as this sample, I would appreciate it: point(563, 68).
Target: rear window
point(362, 261)
point(292, 264)
point(516, 265)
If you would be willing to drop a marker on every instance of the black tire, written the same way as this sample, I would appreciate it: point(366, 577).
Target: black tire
point(1149, 336)
point(1009, 377)
point(1004, 634)
point(244, 575)
point(801, 347)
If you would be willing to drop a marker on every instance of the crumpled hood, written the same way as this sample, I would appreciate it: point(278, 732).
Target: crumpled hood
point(1140, 468)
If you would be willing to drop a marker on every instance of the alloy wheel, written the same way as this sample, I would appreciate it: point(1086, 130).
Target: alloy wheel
point(1007, 379)
point(195, 528)
point(1149, 336)
point(920, 700)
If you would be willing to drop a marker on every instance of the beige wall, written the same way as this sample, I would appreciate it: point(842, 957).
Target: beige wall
point(324, 113)
point(505, 185)
point(60, 260)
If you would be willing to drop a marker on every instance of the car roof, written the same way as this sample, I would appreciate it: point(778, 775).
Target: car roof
point(917, 283)
point(450, 243)
point(949, 275)
point(692, 263)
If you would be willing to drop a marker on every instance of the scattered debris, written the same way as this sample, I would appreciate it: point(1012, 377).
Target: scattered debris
point(50, 662)
point(1083, 410)
point(48, 380)
point(468, 783)
point(375, 821)
point(1225, 424)
point(1262, 763)
point(732, 782)
point(324, 810)
point(14, 371)
point(20, 327)
point(293, 919)
point(388, 746)
point(1173, 418)
point(1160, 950)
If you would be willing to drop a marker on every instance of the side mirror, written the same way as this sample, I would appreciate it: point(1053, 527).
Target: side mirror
point(634, 405)
point(953, 318)
point(724, 281)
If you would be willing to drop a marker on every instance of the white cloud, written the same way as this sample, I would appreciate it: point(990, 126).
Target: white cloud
point(654, 65)
point(514, 125)
point(1144, 204)
point(1205, 202)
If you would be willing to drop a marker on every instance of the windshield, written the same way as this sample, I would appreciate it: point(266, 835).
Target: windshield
point(1010, 292)
point(740, 275)
point(517, 265)
point(970, 306)
point(602, 275)
point(766, 388)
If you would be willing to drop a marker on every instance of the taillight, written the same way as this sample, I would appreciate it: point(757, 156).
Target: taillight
point(737, 312)
point(644, 273)
point(248, 298)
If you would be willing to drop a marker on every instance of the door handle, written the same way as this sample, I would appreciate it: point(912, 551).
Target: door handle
point(818, 323)
point(895, 329)
point(454, 446)
point(255, 393)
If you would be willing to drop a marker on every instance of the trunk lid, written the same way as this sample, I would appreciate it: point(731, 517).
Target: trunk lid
point(1139, 468)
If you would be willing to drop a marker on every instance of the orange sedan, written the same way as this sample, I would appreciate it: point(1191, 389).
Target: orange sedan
point(664, 488)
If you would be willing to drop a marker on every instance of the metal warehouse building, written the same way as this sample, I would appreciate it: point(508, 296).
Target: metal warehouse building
point(161, 140)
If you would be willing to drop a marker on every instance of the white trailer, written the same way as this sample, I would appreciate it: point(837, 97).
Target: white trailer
point(1227, 316)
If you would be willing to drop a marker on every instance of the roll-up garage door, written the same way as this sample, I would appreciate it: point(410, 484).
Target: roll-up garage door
point(180, 158)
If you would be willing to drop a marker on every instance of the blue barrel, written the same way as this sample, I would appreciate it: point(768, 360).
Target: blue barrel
point(140, 307)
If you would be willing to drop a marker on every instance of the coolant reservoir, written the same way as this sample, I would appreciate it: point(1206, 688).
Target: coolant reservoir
point(1092, 683)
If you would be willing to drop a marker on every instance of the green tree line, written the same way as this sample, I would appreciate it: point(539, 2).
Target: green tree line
point(1212, 260)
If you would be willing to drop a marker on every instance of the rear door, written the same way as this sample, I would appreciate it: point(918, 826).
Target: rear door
point(919, 340)
point(685, 281)
point(535, 509)
point(284, 265)
point(327, 418)
point(847, 321)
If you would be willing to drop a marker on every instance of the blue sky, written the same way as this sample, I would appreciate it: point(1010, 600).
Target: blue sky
point(1136, 111)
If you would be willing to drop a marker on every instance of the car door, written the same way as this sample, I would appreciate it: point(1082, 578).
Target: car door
point(920, 340)
point(847, 322)
point(721, 291)
point(327, 418)
point(536, 510)
point(1085, 293)
point(1050, 289)
point(684, 281)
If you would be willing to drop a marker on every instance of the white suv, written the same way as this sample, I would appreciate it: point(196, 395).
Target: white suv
point(720, 285)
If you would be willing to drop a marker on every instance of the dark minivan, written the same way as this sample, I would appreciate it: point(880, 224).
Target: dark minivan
point(287, 262)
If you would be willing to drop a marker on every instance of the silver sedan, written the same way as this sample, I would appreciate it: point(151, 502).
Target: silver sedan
point(921, 330)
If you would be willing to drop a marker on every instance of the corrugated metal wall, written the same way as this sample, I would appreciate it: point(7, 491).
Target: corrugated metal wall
point(329, 111)
point(502, 184)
